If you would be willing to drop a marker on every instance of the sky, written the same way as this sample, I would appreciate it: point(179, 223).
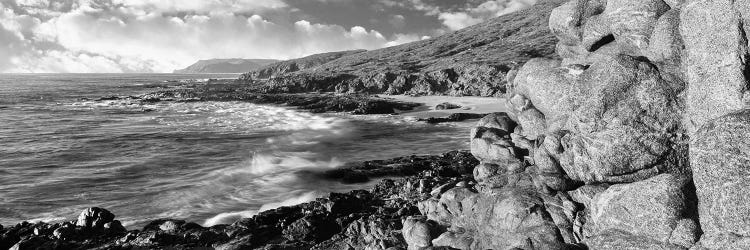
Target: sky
point(128, 36)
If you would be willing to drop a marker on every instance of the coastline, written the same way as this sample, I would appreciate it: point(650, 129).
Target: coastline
point(337, 221)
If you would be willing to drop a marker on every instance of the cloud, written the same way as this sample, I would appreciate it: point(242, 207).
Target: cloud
point(142, 36)
point(486, 10)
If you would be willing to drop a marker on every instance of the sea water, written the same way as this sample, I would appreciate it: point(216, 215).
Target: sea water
point(209, 162)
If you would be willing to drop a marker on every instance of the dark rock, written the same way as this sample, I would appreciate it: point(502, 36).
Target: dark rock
point(313, 102)
point(315, 228)
point(94, 218)
point(446, 105)
point(455, 117)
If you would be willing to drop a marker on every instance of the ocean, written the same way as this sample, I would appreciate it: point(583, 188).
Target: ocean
point(207, 162)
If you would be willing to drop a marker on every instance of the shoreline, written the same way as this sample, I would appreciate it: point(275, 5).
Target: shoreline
point(321, 224)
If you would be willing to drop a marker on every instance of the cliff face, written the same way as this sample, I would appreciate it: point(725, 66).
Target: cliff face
point(224, 66)
point(472, 61)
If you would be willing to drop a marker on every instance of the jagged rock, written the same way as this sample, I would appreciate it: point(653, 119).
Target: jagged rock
point(94, 218)
point(719, 157)
point(716, 63)
point(419, 232)
point(626, 128)
point(311, 228)
point(651, 208)
point(372, 233)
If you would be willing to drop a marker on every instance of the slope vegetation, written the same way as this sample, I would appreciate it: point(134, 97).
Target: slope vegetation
point(471, 61)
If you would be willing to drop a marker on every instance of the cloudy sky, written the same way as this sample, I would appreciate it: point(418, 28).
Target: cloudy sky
point(161, 35)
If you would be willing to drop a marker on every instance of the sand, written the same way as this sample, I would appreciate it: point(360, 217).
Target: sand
point(469, 104)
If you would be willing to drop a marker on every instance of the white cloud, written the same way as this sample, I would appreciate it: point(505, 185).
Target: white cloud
point(129, 36)
point(486, 10)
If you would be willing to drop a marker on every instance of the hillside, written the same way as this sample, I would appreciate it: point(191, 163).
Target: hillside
point(278, 69)
point(234, 65)
point(471, 61)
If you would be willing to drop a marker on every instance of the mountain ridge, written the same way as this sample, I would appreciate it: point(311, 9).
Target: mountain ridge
point(228, 65)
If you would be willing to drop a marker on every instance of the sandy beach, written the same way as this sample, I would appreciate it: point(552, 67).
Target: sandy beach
point(469, 104)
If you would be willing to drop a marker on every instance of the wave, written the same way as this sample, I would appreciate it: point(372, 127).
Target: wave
point(231, 217)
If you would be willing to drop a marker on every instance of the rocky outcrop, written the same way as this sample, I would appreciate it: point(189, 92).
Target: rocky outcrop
point(471, 61)
point(313, 102)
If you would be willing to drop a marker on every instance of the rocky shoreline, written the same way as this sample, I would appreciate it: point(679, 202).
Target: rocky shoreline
point(358, 219)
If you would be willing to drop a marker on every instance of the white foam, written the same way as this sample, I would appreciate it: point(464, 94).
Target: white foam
point(228, 218)
point(231, 217)
point(306, 197)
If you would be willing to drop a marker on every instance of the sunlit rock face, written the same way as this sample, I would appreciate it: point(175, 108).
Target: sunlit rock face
point(640, 127)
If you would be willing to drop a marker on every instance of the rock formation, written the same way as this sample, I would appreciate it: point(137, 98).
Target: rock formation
point(635, 139)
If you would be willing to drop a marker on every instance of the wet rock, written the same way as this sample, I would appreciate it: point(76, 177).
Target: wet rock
point(455, 117)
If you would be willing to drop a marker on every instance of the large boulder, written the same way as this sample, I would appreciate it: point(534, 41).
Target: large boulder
point(510, 217)
point(716, 62)
point(720, 159)
point(94, 217)
point(656, 208)
point(626, 128)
